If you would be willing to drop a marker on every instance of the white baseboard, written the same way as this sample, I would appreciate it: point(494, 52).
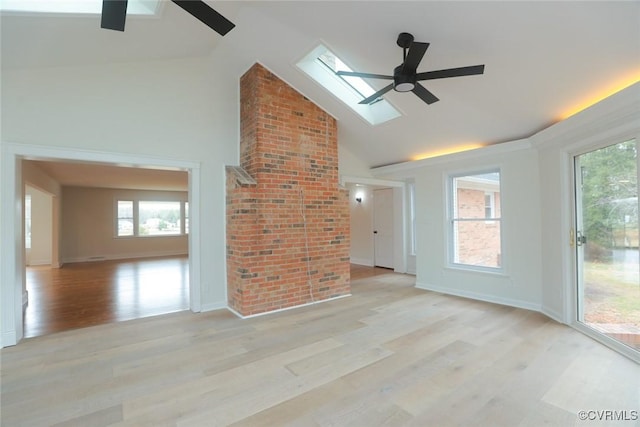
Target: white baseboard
point(362, 261)
point(9, 338)
point(481, 297)
point(552, 314)
point(122, 256)
point(213, 306)
point(39, 262)
point(286, 308)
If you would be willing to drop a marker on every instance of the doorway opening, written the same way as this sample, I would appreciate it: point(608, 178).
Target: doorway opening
point(111, 268)
point(606, 242)
point(14, 268)
point(378, 205)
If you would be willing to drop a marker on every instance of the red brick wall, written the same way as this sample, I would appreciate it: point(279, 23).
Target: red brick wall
point(289, 146)
point(478, 241)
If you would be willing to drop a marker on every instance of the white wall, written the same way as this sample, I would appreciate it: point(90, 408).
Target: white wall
point(537, 209)
point(612, 120)
point(350, 164)
point(88, 226)
point(169, 110)
point(361, 224)
point(520, 228)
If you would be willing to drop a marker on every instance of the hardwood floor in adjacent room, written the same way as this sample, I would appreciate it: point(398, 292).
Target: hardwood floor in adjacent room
point(94, 293)
point(389, 355)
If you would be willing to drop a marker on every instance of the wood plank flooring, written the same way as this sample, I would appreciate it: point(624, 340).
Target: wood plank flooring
point(390, 355)
point(94, 293)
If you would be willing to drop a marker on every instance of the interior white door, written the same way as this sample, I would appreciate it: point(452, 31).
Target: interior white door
point(383, 228)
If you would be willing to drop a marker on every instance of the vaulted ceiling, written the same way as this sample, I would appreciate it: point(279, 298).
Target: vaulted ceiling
point(543, 60)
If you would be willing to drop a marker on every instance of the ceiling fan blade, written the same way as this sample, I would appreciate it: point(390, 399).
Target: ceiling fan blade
point(376, 95)
point(451, 72)
point(114, 14)
point(207, 15)
point(365, 75)
point(414, 56)
point(424, 94)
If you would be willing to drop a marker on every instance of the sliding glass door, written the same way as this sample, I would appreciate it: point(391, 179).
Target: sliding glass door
point(606, 240)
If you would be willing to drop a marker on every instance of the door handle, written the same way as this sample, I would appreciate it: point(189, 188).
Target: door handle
point(375, 231)
point(581, 239)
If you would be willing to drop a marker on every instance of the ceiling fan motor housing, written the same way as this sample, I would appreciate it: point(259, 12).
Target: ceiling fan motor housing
point(403, 82)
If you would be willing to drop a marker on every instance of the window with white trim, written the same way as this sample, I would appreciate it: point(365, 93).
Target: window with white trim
point(125, 222)
point(186, 217)
point(475, 237)
point(27, 221)
point(148, 218)
point(412, 213)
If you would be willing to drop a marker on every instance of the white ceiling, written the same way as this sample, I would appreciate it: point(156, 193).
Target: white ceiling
point(542, 58)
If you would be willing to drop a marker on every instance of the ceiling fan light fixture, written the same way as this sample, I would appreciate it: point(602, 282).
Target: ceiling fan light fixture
point(403, 82)
point(404, 87)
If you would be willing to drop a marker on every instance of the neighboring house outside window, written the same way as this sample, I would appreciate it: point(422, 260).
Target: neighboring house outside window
point(475, 220)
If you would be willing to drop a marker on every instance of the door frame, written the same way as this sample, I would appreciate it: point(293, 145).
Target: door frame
point(376, 214)
point(399, 214)
point(571, 287)
point(12, 262)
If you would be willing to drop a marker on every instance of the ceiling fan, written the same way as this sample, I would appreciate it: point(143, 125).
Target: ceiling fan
point(405, 76)
point(114, 13)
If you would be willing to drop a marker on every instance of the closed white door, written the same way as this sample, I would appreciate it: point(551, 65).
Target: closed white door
point(383, 227)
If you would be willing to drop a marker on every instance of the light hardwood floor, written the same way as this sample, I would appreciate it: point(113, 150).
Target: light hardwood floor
point(389, 355)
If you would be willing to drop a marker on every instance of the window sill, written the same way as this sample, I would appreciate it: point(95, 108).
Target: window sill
point(151, 237)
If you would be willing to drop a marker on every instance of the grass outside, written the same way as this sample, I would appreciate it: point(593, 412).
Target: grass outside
point(612, 294)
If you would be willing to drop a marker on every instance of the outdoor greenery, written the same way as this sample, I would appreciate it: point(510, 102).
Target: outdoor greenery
point(612, 294)
point(610, 199)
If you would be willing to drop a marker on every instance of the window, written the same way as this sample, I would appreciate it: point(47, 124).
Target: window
point(335, 64)
point(27, 221)
point(412, 213)
point(135, 7)
point(158, 218)
point(186, 217)
point(489, 205)
point(321, 65)
point(125, 218)
point(475, 221)
point(142, 218)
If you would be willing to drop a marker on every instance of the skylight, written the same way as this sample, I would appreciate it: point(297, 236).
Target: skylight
point(322, 65)
point(93, 7)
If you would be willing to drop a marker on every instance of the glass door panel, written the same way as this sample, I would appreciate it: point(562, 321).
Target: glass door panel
point(607, 241)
